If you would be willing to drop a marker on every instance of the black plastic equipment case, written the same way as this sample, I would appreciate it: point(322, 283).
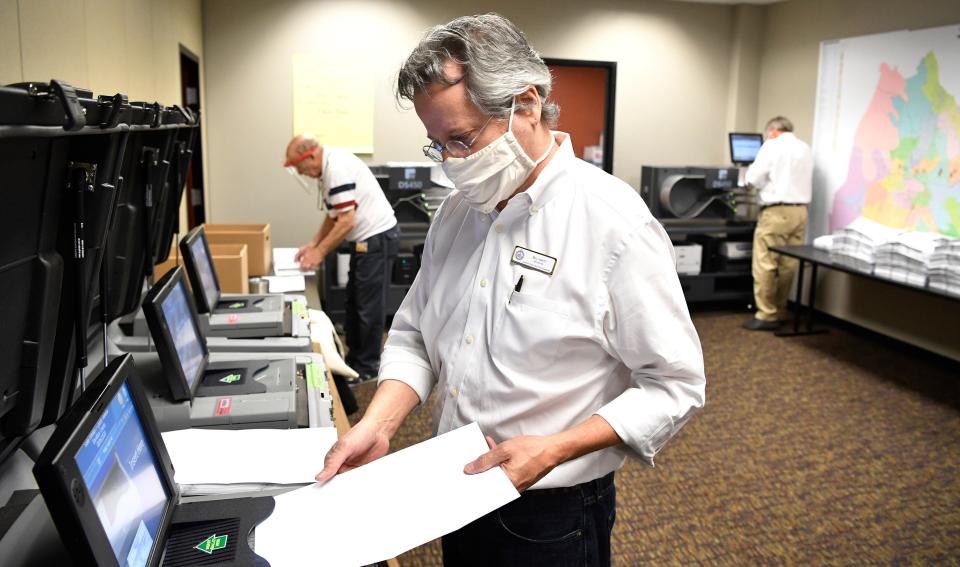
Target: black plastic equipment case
point(60, 152)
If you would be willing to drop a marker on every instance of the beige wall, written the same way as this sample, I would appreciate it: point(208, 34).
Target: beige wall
point(672, 83)
point(743, 82)
point(10, 70)
point(107, 46)
point(787, 85)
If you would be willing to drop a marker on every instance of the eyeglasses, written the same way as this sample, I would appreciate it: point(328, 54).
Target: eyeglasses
point(455, 148)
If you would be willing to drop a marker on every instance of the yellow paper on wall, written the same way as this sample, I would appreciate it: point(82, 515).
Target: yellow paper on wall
point(333, 99)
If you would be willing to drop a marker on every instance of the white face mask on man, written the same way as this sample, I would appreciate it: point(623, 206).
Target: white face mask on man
point(493, 173)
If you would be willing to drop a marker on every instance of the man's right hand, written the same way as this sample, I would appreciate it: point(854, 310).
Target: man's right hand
point(362, 444)
point(301, 251)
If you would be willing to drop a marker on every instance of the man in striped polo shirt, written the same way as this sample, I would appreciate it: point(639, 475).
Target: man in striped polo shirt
point(357, 212)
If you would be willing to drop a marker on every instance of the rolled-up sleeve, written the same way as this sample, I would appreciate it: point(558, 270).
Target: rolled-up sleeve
point(646, 324)
point(404, 355)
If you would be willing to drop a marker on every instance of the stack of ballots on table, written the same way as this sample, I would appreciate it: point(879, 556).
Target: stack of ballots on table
point(856, 245)
point(906, 257)
point(944, 266)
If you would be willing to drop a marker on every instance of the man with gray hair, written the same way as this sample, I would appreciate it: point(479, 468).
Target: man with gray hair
point(783, 172)
point(547, 308)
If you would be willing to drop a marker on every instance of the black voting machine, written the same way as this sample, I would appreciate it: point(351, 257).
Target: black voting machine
point(91, 188)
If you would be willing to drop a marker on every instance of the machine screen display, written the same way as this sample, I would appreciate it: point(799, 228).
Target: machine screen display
point(120, 471)
point(180, 321)
point(205, 267)
point(744, 147)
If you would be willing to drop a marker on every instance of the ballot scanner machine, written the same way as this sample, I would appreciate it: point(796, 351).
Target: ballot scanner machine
point(236, 315)
point(107, 481)
point(230, 323)
point(189, 387)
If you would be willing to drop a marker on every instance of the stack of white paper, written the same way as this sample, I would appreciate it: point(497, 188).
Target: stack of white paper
point(221, 461)
point(386, 507)
point(285, 284)
point(824, 242)
point(285, 265)
point(905, 258)
point(856, 244)
point(944, 266)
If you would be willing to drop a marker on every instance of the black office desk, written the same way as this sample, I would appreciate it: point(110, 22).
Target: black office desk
point(817, 257)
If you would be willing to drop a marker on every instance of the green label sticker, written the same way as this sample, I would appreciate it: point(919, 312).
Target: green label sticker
point(314, 376)
point(300, 309)
point(212, 543)
point(236, 305)
point(230, 378)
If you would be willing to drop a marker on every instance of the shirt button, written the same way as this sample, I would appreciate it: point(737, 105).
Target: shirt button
point(483, 283)
point(534, 209)
point(453, 392)
point(469, 339)
point(498, 228)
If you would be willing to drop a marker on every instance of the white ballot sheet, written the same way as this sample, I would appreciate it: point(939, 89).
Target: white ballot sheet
point(386, 507)
point(285, 284)
point(285, 265)
point(221, 456)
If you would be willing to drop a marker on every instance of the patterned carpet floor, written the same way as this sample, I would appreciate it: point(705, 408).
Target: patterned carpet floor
point(835, 449)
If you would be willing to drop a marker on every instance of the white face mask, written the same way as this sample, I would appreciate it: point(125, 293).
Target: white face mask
point(494, 173)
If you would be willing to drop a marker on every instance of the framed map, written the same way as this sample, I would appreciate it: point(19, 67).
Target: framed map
point(886, 137)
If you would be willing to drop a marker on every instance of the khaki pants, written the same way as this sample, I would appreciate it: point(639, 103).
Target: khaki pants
point(772, 273)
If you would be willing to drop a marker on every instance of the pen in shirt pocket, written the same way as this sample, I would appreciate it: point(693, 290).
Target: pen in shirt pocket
point(516, 289)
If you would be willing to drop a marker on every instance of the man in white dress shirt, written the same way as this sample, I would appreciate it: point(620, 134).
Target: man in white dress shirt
point(783, 172)
point(547, 308)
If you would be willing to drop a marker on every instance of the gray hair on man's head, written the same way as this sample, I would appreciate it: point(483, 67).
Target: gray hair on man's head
point(497, 60)
point(780, 123)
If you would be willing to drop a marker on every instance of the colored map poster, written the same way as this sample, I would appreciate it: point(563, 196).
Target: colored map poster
point(887, 132)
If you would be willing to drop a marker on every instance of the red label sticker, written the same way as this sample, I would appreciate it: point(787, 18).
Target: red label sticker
point(223, 406)
point(232, 319)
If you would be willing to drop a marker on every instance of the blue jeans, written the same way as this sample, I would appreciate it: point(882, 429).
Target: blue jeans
point(368, 290)
point(552, 527)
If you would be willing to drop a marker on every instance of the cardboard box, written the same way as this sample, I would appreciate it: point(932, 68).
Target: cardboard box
point(229, 260)
point(689, 257)
point(255, 236)
point(231, 263)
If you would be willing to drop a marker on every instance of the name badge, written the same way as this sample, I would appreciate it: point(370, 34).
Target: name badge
point(534, 260)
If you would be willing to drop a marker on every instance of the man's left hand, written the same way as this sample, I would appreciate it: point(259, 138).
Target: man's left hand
point(310, 259)
point(525, 459)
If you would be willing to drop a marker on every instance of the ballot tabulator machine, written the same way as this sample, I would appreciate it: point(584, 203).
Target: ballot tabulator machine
point(230, 323)
point(236, 315)
point(189, 387)
point(108, 483)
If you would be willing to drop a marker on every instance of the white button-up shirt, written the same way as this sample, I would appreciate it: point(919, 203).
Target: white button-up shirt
point(608, 333)
point(783, 171)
